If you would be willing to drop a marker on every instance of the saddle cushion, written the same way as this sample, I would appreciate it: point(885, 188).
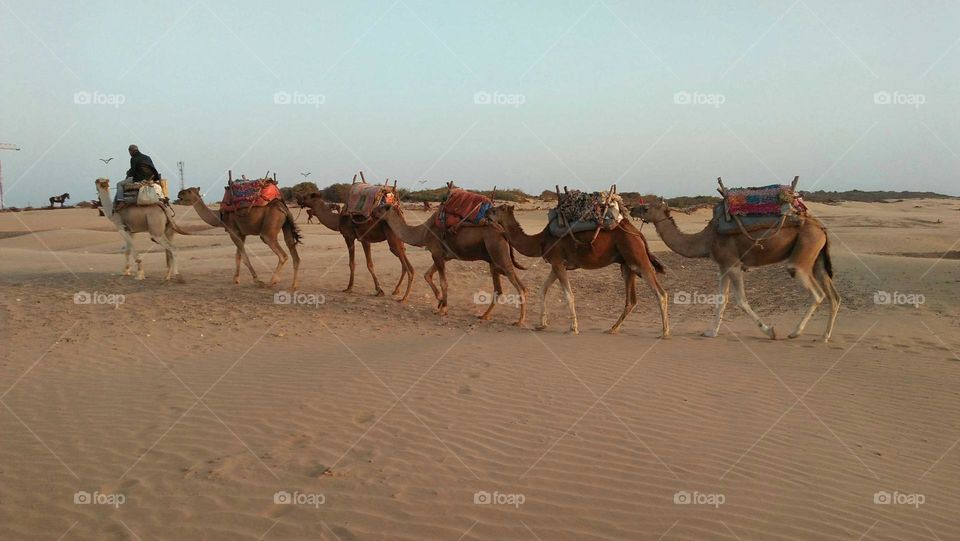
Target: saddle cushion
point(772, 200)
point(729, 226)
point(463, 207)
point(363, 198)
point(579, 211)
point(249, 193)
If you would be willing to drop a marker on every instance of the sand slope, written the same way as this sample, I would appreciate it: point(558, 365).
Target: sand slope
point(198, 402)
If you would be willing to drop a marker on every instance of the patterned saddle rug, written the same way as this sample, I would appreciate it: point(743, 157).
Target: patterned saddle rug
point(772, 200)
point(759, 208)
point(241, 194)
point(577, 211)
point(463, 208)
point(363, 198)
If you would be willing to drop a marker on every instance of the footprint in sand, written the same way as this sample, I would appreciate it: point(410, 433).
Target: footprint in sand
point(464, 389)
point(363, 418)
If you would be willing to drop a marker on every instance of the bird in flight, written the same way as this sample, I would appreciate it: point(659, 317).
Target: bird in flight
point(421, 181)
point(105, 160)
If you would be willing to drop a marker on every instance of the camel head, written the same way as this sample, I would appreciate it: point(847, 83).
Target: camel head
point(656, 211)
point(310, 199)
point(502, 214)
point(103, 183)
point(189, 195)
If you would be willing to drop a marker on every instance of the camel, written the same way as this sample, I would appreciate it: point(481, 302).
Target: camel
point(152, 219)
point(333, 207)
point(367, 232)
point(805, 248)
point(59, 199)
point(266, 222)
point(623, 245)
point(470, 243)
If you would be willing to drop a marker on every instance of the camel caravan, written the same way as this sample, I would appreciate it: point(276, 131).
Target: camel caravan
point(750, 227)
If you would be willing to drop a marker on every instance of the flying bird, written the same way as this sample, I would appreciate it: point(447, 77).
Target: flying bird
point(421, 181)
point(105, 160)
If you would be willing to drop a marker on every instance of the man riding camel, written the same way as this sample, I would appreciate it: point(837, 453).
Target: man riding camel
point(141, 168)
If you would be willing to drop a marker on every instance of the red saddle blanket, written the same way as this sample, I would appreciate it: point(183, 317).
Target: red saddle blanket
point(463, 207)
point(774, 200)
point(362, 198)
point(248, 193)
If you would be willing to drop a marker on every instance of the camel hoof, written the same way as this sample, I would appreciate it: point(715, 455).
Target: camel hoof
point(379, 293)
point(141, 277)
point(540, 327)
point(709, 333)
point(612, 331)
point(179, 279)
point(518, 324)
point(236, 281)
point(771, 332)
point(665, 336)
point(348, 290)
point(793, 335)
point(484, 317)
point(573, 331)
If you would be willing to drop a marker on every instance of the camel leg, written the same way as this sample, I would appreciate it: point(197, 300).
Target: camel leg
point(171, 252)
point(497, 292)
point(630, 297)
point(551, 278)
point(292, 246)
point(439, 264)
point(736, 277)
point(350, 252)
point(818, 294)
point(130, 252)
point(428, 276)
point(714, 329)
point(240, 242)
point(561, 273)
point(366, 254)
point(271, 241)
point(834, 296)
point(522, 291)
point(406, 268)
point(650, 275)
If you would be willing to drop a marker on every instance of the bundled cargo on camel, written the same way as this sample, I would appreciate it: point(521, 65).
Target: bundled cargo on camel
point(143, 193)
point(245, 193)
point(578, 211)
point(363, 198)
point(745, 210)
point(462, 207)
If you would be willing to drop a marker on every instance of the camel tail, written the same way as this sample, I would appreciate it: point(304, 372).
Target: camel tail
point(514, 260)
point(177, 228)
point(825, 256)
point(657, 265)
point(290, 224)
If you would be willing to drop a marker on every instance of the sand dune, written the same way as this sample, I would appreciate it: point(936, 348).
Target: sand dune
point(200, 403)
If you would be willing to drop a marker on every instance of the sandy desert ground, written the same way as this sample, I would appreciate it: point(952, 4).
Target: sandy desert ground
point(191, 411)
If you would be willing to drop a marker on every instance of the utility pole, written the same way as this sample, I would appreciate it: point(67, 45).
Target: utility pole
point(180, 168)
point(5, 146)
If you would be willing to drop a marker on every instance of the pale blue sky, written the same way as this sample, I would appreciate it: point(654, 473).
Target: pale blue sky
point(398, 79)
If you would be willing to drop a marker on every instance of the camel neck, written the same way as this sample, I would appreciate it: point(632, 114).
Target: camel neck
point(686, 244)
point(412, 235)
point(207, 215)
point(528, 245)
point(329, 219)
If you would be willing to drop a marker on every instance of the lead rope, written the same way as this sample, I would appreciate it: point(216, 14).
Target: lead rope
point(770, 233)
